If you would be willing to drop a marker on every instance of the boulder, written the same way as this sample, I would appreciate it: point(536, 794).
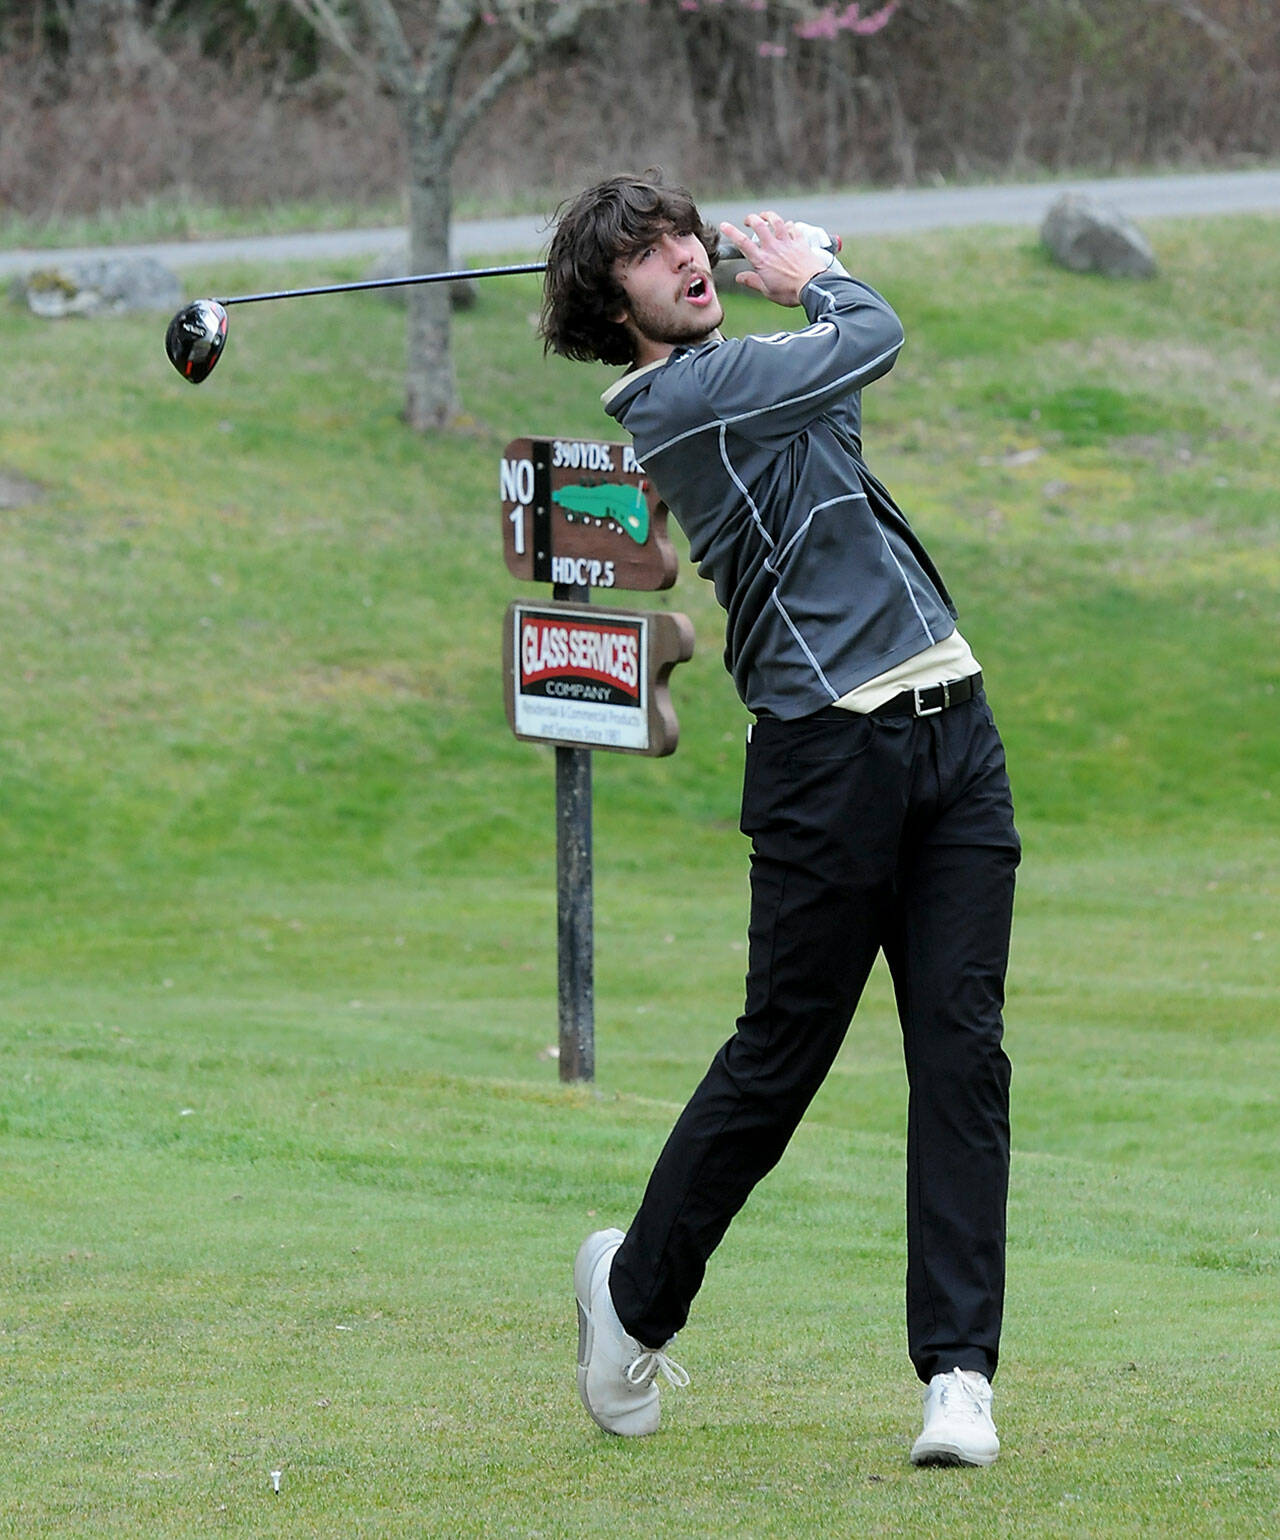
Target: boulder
point(395, 264)
point(1091, 237)
point(17, 490)
point(99, 286)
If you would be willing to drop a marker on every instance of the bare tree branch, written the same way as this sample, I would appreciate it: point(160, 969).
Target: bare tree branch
point(533, 43)
point(458, 24)
point(396, 67)
point(518, 63)
point(328, 23)
point(1216, 31)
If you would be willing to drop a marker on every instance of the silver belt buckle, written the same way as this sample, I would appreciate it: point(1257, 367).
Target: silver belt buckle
point(932, 711)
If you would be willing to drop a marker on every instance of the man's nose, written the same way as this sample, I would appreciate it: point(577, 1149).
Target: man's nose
point(677, 250)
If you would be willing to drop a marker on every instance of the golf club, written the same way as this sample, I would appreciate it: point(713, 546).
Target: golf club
point(196, 336)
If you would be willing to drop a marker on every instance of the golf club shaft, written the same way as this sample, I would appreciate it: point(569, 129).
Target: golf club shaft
point(725, 252)
point(387, 283)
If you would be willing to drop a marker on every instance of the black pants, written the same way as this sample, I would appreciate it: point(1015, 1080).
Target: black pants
point(868, 833)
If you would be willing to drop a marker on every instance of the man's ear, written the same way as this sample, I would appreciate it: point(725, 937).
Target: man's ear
point(621, 316)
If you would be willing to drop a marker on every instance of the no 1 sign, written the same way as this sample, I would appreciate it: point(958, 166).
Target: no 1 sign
point(582, 512)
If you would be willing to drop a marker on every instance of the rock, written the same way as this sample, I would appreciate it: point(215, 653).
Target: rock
point(17, 490)
point(99, 286)
point(395, 264)
point(1090, 237)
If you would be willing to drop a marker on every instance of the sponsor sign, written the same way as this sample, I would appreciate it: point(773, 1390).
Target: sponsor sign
point(582, 512)
point(594, 678)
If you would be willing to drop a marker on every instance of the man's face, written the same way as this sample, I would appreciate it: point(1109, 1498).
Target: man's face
point(671, 297)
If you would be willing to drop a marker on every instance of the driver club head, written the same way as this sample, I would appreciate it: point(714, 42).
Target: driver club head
point(195, 339)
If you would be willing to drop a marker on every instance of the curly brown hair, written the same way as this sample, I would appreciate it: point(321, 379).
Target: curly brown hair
point(613, 219)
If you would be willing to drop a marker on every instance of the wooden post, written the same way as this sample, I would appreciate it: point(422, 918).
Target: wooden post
point(576, 942)
point(575, 929)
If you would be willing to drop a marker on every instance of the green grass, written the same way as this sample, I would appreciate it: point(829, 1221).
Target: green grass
point(290, 1180)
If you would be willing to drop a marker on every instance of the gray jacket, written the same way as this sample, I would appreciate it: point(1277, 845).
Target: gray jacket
point(755, 446)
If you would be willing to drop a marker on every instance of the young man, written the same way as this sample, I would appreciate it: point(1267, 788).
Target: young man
point(875, 793)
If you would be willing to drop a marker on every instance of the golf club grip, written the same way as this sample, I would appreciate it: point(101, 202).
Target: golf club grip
point(726, 251)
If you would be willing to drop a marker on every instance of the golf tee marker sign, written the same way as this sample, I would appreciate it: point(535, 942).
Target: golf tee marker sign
point(594, 679)
point(582, 513)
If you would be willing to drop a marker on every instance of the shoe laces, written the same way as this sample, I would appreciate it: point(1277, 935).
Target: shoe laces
point(645, 1367)
point(957, 1394)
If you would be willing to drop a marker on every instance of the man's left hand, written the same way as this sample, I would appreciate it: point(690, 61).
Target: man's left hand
point(781, 259)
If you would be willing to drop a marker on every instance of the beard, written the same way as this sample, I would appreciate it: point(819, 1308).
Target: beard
point(665, 324)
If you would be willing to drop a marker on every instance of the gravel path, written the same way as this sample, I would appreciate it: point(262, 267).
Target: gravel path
point(852, 214)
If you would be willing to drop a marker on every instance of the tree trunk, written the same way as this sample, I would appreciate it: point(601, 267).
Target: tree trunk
point(431, 391)
point(1018, 50)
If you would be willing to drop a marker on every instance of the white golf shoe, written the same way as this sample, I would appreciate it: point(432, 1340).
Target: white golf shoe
point(958, 1429)
point(616, 1374)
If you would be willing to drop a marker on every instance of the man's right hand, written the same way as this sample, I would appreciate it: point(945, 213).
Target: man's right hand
point(781, 259)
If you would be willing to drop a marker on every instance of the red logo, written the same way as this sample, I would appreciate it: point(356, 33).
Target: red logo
point(573, 659)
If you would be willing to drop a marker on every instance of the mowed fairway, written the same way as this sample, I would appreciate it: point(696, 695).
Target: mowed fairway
point(290, 1183)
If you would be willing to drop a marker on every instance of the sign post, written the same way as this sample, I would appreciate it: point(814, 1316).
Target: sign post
point(581, 514)
point(575, 941)
point(575, 890)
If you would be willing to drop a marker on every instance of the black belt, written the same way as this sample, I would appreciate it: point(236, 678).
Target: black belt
point(931, 700)
point(911, 703)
